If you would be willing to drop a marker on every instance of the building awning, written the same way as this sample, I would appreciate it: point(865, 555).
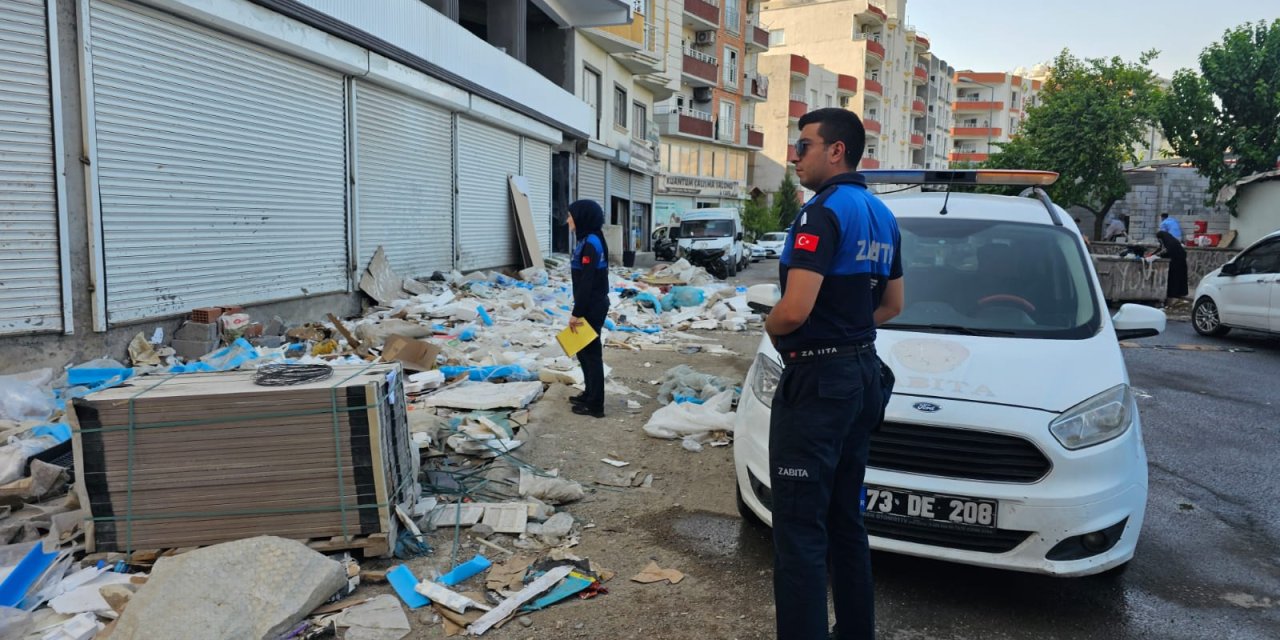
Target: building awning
point(586, 13)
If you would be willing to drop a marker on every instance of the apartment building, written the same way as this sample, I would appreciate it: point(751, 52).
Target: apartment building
point(869, 41)
point(706, 129)
point(938, 94)
point(798, 87)
point(989, 108)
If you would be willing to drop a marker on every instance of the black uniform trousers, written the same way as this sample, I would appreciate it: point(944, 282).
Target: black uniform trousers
point(591, 357)
point(823, 413)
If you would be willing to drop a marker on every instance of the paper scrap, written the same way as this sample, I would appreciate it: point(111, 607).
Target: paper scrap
point(653, 573)
point(616, 463)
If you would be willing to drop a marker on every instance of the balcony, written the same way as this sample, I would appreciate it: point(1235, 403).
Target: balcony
point(872, 87)
point(799, 66)
point(875, 50)
point(757, 39)
point(874, 13)
point(871, 125)
point(917, 140)
point(756, 87)
point(685, 122)
point(797, 107)
point(977, 105)
point(869, 163)
point(702, 15)
point(753, 137)
point(975, 132)
point(846, 84)
point(699, 69)
point(647, 57)
point(920, 75)
point(922, 42)
point(966, 156)
point(917, 108)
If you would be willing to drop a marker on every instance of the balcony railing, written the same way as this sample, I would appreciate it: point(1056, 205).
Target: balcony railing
point(975, 132)
point(875, 12)
point(799, 65)
point(917, 139)
point(966, 156)
point(869, 163)
point(872, 87)
point(708, 11)
point(874, 48)
point(871, 124)
point(700, 65)
point(971, 104)
point(920, 74)
point(922, 41)
point(846, 83)
point(797, 107)
point(917, 107)
point(759, 39)
point(686, 121)
point(754, 137)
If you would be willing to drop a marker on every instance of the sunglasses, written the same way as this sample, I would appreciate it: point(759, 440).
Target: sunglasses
point(803, 145)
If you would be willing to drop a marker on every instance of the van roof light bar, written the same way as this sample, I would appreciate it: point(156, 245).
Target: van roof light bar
point(995, 177)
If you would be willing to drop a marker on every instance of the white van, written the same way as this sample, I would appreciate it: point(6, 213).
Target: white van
point(712, 239)
point(1012, 439)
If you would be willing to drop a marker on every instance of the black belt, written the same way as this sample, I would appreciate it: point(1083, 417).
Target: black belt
point(823, 353)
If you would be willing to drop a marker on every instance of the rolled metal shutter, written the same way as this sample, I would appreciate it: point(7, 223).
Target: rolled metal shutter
point(619, 182)
point(221, 167)
point(404, 181)
point(535, 165)
point(591, 180)
point(30, 262)
point(642, 188)
point(486, 230)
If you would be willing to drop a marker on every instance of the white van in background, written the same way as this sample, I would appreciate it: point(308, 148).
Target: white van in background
point(712, 239)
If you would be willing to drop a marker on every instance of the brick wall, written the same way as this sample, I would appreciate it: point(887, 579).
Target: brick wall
point(1178, 191)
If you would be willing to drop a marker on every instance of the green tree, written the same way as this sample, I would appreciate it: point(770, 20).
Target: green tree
point(786, 204)
point(1091, 114)
point(758, 217)
point(1230, 109)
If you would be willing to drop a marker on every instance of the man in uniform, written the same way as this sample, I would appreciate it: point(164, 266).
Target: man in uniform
point(841, 276)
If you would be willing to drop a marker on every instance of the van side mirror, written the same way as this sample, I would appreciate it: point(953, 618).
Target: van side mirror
point(739, 236)
point(1230, 269)
point(761, 298)
point(1138, 321)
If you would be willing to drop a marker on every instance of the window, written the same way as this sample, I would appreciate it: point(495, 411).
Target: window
point(844, 102)
point(619, 106)
point(732, 16)
point(1265, 258)
point(1014, 102)
point(813, 97)
point(730, 67)
point(777, 37)
point(640, 116)
point(639, 7)
point(829, 101)
point(591, 94)
point(728, 124)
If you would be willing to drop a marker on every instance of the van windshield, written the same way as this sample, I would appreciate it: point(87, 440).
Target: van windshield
point(983, 277)
point(706, 229)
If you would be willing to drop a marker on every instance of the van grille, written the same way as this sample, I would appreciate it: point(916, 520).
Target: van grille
point(993, 541)
point(956, 453)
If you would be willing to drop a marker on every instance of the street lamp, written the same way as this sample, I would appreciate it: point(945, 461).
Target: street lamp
point(991, 101)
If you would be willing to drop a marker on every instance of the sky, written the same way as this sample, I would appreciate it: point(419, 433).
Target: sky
point(1001, 35)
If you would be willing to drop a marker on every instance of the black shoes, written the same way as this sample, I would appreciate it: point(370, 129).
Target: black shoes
point(578, 399)
point(583, 410)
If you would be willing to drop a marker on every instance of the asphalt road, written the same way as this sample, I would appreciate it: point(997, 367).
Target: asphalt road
point(1208, 562)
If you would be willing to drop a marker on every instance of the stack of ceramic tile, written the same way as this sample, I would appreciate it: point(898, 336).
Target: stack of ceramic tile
point(198, 459)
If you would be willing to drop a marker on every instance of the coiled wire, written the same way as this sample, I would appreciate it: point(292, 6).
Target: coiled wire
point(285, 375)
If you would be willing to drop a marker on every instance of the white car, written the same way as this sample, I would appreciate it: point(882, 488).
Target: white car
point(1243, 293)
point(757, 252)
point(772, 243)
point(1012, 439)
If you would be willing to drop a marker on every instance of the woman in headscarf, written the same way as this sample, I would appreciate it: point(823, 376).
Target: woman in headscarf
point(1172, 249)
point(590, 269)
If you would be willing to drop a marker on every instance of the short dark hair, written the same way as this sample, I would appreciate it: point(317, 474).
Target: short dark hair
point(1163, 216)
point(839, 125)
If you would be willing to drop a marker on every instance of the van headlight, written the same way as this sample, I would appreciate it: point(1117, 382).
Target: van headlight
point(765, 382)
point(1103, 417)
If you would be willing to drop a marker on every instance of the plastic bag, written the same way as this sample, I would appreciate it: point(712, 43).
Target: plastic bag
point(13, 456)
point(684, 419)
point(21, 401)
point(683, 381)
point(681, 297)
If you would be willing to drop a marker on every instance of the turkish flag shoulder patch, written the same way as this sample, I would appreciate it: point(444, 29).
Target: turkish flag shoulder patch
point(807, 242)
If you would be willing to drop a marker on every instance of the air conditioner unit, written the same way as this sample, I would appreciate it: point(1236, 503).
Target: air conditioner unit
point(702, 94)
point(706, 37)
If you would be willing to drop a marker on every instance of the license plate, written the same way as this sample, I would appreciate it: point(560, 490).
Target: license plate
point(944, 511)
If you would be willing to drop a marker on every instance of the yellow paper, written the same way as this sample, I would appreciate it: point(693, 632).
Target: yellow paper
point(572, 342)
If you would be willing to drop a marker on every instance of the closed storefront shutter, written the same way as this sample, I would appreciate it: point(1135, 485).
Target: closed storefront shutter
point(535, 161)
point(221, 167)
point(30, 263)
point(642, 188)
point(591, 180)
point(619, 182)
point(404, 180)
point(487, 157)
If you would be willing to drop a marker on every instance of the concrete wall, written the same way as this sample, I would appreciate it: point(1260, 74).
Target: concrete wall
point(1200, 261)
point(1258, 212)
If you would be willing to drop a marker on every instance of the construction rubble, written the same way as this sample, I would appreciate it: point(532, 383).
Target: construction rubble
point(244, 461)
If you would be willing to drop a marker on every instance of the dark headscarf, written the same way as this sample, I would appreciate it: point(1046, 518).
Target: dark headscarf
point(588, 218)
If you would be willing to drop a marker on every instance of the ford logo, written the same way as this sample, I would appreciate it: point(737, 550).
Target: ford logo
point(927, 407)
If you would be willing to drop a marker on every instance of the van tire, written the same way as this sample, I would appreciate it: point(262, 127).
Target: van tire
point(733, 269)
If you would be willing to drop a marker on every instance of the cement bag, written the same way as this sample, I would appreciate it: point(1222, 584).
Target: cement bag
point(677, 420)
